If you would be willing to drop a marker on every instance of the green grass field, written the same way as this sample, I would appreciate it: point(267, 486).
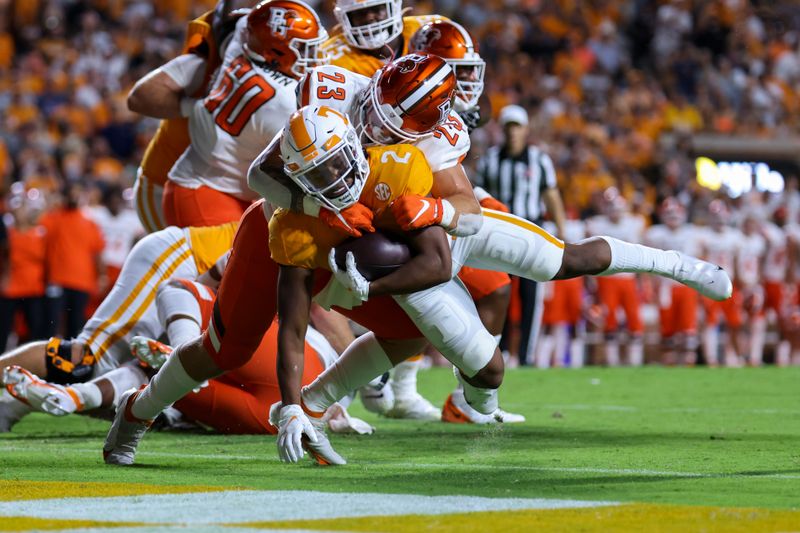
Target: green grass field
point(697, 437)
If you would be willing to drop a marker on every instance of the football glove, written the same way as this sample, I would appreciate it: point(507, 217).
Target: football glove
point(417, 212)
point(352, 221)
point(292, 424)
point(350, 277)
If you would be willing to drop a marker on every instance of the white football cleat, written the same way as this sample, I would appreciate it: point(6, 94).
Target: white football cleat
point(456, 410)
point(413, 407)
point(40, 395)
point(377, 396)
point(706, 278)
point(125, 433)
point(150, 352)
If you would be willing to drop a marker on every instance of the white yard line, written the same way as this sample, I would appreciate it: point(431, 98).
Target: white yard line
point(267, 505)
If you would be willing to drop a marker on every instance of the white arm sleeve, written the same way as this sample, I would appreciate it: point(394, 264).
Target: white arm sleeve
point(187, 71)
point(272, 190)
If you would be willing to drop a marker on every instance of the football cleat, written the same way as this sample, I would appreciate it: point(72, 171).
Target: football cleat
point(377, 396)
point(706, 278)
point(456, 410)
point(125, 433)
point(150, 352)
point(42, 396)
point(413, 407)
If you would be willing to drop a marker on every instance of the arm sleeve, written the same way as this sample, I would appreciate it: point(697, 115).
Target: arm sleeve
point(187, 71)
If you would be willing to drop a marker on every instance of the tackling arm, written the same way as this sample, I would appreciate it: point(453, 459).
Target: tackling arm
point(294, 304)
point(452, 185)
point(163, 92)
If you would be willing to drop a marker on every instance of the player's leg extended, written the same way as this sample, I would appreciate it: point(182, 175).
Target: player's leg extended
point(519, 247)
point(244, 310)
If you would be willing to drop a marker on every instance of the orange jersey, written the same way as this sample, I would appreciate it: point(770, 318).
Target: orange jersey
point(172, 137)
point(359, 61)
point(73, 244)
point(27, 261)
point(301, 240)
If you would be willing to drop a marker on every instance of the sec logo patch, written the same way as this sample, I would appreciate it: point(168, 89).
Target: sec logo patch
point(383, 192)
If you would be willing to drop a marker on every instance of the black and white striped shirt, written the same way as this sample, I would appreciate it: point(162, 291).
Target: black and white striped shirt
point(517, 181)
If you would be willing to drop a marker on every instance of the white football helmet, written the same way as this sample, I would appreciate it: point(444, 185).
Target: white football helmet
point(322, 154)
point(371, 35)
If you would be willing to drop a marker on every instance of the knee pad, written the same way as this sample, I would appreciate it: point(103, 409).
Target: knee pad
point(447, 317)
point(60, 368)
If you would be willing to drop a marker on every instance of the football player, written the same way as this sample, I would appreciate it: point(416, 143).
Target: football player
point(250, 97)
point(324, 158)
point(172, 137)
point(620, 291)
point(749, 267)
point(129, 308)
point(677, 303)
point(385, 110)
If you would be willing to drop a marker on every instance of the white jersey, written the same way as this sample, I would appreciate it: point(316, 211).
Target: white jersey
point(629, 228)
point(776, 261)
point(748, 261)
point(341, 89)
point(119, 233)
point(721, 247)
point(246, 107)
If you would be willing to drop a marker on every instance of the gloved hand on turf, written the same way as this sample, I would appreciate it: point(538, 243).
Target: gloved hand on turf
point(350, 277)
point(292, 425)
point(352, 221)
point(417, 212)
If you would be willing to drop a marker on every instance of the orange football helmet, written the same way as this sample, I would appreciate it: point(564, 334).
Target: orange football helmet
point(407, 99)
point(453, 43)
point(285, 35)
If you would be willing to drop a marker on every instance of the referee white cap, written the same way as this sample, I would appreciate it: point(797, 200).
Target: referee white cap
point(513, 113)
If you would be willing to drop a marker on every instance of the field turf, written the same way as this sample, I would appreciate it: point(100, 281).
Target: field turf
point(666, 449)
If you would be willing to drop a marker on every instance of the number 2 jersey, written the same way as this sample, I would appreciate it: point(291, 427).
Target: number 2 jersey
point(297, 239)
point(341, 89)
point(245, 108)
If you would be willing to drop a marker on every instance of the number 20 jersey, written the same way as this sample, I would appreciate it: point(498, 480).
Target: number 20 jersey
point(245, 108)
point(341, 89)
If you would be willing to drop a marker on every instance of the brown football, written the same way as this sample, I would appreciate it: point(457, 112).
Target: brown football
point(376, 254)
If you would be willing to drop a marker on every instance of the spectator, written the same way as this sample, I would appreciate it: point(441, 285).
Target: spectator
point(23, 281)
point(74, 264)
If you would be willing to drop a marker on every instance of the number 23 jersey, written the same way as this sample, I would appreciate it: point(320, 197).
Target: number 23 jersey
point(245, 108)
point(341, 89)
point(297, 239)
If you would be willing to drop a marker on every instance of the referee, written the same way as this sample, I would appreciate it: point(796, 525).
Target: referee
point(522, 176)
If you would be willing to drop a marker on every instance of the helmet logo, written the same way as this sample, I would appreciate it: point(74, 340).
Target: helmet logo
point(281, 21)
point(427, 37)
point(444, 109)
point(410, 63)
point(383, 192)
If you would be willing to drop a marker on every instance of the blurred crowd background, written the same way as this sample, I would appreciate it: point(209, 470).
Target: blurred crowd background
point(620, 94)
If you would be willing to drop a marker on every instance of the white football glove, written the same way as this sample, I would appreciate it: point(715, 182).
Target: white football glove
point(292, 425)
point(350, 277)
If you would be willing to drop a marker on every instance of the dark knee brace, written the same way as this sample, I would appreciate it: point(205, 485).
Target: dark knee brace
point(60, 368)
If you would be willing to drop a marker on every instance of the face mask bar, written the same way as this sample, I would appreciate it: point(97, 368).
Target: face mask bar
point(376, 34)
point(380, 124)
point(309, 53)
point(468, 88)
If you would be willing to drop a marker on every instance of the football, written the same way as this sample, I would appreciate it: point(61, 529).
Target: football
point(377, 254)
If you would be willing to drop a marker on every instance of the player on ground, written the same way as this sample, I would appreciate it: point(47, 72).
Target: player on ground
point(128, 309)
point(620, 291)
point(677, 303)
point(720, 244)
point(250, 98)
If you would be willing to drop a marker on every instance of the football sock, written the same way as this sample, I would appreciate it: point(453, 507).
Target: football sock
point(169, 385)
point(635, 351)
point(88, 395)
point(180, 313)
point(404, 378)
point(125, 378)
point(482, 400)
point(361, 362)
point(629, 257)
